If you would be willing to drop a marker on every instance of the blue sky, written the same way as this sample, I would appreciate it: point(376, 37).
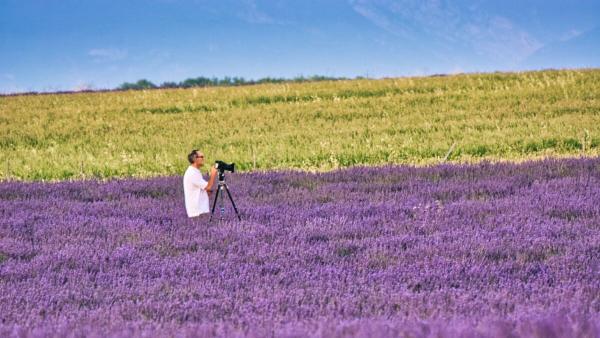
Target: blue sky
point(64, 45)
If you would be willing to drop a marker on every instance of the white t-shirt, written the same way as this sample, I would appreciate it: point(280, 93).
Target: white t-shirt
point(196, 198)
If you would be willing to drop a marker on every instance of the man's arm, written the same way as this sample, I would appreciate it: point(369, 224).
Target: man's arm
point(211, 180)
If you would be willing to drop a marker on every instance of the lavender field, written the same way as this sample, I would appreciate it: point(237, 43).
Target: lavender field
point(498, 250)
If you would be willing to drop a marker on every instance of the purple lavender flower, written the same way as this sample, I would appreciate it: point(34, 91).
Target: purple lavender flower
point(470, 250)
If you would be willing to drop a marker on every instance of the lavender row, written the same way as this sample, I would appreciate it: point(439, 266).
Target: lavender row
point(550, 325)
point(390, 248)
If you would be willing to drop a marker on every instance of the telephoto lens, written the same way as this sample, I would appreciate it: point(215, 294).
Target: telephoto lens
point(224, 166)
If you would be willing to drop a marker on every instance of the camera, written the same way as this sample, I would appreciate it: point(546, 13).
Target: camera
point(222, 167)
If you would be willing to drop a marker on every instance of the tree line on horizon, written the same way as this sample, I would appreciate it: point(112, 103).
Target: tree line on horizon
point(202, 81)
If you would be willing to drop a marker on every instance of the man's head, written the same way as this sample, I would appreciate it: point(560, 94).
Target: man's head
point(196, 158)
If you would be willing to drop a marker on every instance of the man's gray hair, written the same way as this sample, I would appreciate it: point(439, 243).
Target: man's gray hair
point(192, 156)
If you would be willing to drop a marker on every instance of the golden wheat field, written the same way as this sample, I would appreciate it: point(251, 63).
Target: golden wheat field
point(308, 126)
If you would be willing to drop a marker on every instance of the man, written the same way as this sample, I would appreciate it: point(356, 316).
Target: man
point(195, 188)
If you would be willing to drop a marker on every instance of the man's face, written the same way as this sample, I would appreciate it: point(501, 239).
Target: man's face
point(199, 159)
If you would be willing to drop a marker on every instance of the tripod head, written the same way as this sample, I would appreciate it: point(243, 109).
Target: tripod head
point(222, 167)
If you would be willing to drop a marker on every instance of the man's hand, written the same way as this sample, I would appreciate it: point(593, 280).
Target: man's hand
point(211, 179)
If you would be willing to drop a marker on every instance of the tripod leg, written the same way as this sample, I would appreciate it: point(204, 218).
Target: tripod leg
point(214, 204)
point(221, 203)
point(233, 203)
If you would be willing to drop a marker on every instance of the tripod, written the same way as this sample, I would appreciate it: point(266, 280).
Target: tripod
point(223, 186)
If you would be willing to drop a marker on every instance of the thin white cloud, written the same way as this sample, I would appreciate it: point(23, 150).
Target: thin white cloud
point(107, 54)
point(372, 15)
point(500, 39)
point(496, 38)
point(379, 18)
point(250, 13)
point(571, 34)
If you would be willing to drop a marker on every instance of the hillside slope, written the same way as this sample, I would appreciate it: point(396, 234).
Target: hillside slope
point(312, 126)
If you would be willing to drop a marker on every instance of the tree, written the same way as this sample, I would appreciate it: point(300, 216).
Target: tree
point(141, 84)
